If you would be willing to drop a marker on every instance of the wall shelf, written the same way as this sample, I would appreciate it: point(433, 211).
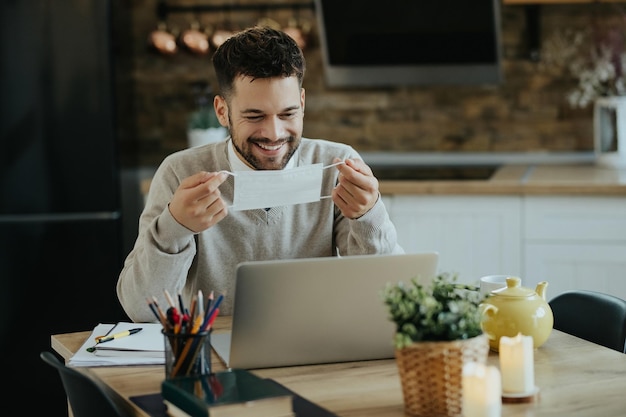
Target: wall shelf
point(533, 14)
point(163, 8)
point(526, 2)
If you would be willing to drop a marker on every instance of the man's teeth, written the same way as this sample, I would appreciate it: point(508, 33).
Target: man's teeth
point(269, 148)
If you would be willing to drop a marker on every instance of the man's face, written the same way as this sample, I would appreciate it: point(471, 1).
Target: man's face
point(265, 119)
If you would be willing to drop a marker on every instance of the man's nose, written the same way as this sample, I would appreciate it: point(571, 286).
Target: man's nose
point(274, 128)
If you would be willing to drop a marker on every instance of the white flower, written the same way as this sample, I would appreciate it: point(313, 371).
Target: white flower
point(597, 77)
point(597, 62)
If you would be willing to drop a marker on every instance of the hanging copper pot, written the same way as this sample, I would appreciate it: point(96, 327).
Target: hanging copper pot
point(162, 41)
point(220, 36)
point(293, 30)
point(195, 40)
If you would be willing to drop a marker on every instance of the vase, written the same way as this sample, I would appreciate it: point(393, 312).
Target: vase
point(609, 131)
point(199, 137)
point(431, 374)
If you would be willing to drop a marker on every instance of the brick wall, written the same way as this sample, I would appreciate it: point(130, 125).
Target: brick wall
point(527, 112)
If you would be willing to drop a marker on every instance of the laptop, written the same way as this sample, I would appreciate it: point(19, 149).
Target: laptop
point(315, 310)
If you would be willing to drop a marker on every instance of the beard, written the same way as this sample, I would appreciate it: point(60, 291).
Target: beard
point(266, 163)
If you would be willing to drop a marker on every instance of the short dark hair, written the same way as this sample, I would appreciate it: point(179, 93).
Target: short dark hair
point(257, 52)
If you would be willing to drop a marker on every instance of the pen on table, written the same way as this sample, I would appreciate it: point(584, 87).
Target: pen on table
point(103, 339)
point(117, 335)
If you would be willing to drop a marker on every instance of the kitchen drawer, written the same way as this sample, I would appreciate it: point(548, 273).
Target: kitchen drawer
point(601, 219)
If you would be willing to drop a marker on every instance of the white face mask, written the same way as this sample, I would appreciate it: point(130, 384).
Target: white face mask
point(273, 188)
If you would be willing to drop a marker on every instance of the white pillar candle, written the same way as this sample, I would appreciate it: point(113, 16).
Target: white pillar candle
point(517, 364)
point(482, 390)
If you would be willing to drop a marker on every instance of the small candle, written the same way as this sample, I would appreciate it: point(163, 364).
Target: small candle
point(517, 364)
point(482, 390)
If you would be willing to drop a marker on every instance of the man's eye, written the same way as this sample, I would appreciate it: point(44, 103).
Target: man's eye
point(254, 118)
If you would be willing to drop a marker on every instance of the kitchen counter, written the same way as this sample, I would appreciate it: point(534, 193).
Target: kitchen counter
point(524, 179)
point(515, 179)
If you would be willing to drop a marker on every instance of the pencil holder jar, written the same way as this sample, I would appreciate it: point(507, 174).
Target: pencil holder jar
point(187, 354)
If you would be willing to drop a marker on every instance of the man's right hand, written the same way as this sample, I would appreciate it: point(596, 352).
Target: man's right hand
point(197, 203)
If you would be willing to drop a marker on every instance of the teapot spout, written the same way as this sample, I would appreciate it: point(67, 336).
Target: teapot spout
point(541, 289)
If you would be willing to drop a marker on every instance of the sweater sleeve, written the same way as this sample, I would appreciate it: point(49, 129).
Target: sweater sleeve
point(160, 260)
point(371, 233)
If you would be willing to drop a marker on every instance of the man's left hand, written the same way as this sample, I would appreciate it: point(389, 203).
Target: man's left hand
point(357, 188)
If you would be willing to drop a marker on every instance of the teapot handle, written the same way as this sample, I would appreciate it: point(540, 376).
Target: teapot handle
point(487, 311)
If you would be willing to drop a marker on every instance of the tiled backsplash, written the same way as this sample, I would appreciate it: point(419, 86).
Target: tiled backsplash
point(528, 112)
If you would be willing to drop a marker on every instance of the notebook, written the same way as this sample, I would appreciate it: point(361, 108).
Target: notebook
point(315, 310)
point(150, 339)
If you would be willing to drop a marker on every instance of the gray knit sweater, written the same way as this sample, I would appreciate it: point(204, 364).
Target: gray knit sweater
point(168, 256)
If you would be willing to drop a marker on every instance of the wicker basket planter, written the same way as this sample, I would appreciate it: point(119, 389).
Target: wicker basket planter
point(431, 374)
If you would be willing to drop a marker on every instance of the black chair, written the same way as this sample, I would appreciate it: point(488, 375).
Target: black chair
point(594, 316)
point(87, 396)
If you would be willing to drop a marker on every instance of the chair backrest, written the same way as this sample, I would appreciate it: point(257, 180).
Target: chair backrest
point(87, 396)
point(594, 316)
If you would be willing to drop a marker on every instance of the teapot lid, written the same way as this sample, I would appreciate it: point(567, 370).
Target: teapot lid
point(514, 289)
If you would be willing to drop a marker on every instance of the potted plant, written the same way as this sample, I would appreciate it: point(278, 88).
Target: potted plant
point(438, 330)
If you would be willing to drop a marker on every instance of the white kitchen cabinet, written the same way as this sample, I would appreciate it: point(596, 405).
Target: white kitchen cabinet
point(570, 266)
point(575, 243)
point(474, 235)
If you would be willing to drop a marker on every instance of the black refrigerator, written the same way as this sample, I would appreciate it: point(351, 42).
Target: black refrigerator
point(60, 215)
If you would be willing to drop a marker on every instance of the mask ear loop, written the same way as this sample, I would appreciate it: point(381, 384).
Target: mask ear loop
point(330, 166)
point(231, 174)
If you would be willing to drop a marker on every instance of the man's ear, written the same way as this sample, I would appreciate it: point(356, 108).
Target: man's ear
point(221, 110)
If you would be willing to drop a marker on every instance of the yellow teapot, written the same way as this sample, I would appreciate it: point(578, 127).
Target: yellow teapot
point(514, 309)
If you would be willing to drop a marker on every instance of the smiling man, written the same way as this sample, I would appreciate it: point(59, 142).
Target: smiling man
point(188, 238)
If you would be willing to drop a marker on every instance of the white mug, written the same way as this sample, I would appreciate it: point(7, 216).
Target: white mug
point(489, 283)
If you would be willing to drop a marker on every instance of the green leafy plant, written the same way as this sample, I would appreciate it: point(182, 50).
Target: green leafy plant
point(203, 118)
point(442, 311)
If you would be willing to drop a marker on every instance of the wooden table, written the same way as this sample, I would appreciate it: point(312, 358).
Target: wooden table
point(575, 377)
